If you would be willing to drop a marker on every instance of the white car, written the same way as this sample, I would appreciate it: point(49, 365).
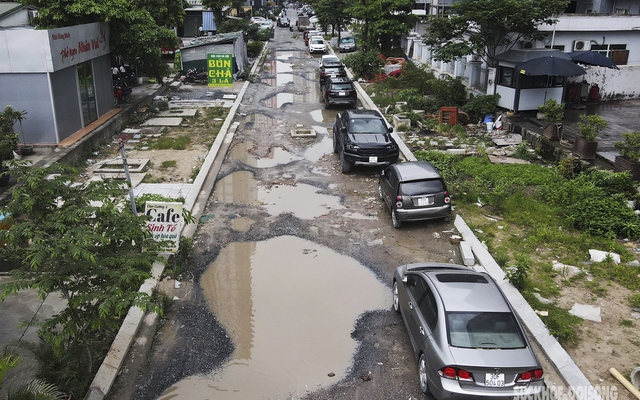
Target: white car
point(317, 45)
point(266, 25)
point(258, 20)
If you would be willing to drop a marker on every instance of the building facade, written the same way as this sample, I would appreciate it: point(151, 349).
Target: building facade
point(60, 77)
point(609, 27)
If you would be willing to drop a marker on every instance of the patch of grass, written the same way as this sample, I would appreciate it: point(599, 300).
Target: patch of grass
point(563, 325)
point(627, 323)
point(194, 173)
point(595, 288)
point(174, 143)
point(634, 300)
point(216, 112)
point(149, 178)
point(168, 164)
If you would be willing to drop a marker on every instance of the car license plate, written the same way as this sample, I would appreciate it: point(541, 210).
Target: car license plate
point(373, 159)
point(341, 93)
point(494, 380)
point(425, 201)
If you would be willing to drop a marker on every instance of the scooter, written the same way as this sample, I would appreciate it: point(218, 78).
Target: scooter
point(193, 76)
point(121, 91)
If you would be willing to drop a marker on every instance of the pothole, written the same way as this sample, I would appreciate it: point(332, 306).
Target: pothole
point(290, 318)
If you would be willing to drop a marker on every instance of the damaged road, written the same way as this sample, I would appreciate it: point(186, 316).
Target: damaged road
point(288, 294)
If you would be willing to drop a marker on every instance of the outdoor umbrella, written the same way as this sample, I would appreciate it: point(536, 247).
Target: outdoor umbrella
point(552, 66)
point(592, 58)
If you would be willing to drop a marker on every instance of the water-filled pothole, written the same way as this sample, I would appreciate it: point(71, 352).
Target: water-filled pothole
point(290, 318)
point(302, 200)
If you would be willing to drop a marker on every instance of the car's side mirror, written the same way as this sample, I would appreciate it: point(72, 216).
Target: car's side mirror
point(343, 129)
point(404, 279)
point(390, 129)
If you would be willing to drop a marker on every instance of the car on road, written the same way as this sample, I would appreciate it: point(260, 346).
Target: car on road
point(265, 25)
point(331, 72)
point(363, 137)
point(465, 334)
point(347, 44)
point(317, 45)
point(310, 34)
point(414, 191)
point(283, 22)
point(339, 91)
point(329, 60)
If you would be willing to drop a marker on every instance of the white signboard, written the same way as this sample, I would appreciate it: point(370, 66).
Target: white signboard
point(166, 222)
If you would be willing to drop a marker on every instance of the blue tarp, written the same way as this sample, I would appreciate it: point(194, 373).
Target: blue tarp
point(208, 24)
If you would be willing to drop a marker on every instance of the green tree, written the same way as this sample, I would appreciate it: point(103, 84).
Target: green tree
point(80, 242)
point(139, 28)
point(486, 27)
point(332, 12)
point(382, 23)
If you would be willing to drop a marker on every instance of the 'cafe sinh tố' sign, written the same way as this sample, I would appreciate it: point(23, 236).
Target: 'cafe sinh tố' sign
point(165, 222)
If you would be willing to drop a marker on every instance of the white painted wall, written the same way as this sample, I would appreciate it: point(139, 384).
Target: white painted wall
point(614, 84)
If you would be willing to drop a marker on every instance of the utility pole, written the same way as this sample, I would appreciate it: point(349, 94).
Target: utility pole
point(126, 173)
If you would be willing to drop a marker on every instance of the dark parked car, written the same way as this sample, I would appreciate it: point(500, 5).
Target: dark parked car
point(347, 44)
point(283, 22)
point(414, 191)
point(339, 91)
point(362, 137)
point(331, 72)
point(465, 335)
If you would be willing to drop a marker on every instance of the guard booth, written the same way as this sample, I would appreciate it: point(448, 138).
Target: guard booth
point(519, 92)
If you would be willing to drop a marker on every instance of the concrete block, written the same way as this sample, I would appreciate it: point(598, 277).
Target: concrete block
point(467, 253)
point(586, 311)
point(400, 120)
point(457, 151)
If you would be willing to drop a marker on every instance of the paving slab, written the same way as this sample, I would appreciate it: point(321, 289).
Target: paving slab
point(179, 112)
point(586, 311)
point(164, 121)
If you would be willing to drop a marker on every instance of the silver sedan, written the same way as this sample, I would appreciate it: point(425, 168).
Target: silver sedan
point(465, 335)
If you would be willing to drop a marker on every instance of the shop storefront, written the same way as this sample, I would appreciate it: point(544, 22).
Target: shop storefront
point(60, 77)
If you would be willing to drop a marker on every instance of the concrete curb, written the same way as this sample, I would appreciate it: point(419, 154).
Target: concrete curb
point(561, 360)
point(195, 202)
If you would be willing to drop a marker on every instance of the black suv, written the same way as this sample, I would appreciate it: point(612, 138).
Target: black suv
point(338, 91)
point(414, 191)
point(331, 72)
point(362, 137)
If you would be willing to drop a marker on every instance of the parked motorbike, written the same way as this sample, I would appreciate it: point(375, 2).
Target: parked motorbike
point(121, 91)
point(193, 76)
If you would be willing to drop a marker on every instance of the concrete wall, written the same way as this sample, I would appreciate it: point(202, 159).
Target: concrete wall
point(614, 84)
point(30, 92)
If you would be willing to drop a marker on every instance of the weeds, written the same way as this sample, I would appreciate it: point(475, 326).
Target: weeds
point(177, 143)
point(168, 164)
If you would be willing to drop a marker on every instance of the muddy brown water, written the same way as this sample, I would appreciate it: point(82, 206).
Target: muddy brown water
point(290, 306)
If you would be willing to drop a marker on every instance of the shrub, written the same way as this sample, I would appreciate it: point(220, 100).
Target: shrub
point(591, 125)
point(607, 216)
point(629, 147)
point(364, 65)
point(478, 106)
point(254, 48)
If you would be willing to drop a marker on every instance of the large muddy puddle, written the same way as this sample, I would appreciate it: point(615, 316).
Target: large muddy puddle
point(289, 305)
point(302, 200)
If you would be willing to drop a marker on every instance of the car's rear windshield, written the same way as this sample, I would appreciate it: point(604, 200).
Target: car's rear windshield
point(341, 86)
point(485, 330)
point(333, 70)
point(415, 188)
point(373, 125)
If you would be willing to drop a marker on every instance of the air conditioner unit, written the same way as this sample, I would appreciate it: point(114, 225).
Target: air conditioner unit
point(527, 44)
point(581, 45)
point(32, 13)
